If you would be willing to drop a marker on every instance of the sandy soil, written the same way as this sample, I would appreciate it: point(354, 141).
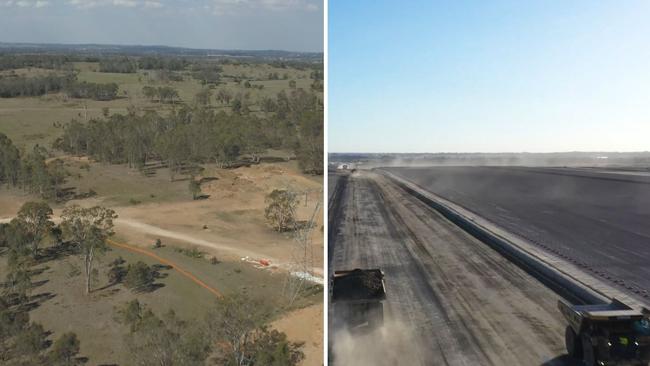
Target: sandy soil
point(305, 325)
point(10, 202)
point(231, 220)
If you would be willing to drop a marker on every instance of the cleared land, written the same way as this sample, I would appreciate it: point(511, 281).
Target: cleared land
point(451, 300)
point(597, 219)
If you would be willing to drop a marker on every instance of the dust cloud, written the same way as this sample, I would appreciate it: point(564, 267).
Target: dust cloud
point(638, 160)
point(391, 344)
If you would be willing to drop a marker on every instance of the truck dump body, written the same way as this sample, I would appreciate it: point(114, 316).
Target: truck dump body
point(607, 334)
point(357, 297)
point(358, 285)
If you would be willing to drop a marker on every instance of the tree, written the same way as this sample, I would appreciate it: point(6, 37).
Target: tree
point(203, 97)
point(88, 229)
point(237, 326)
point(162, 341)
point(139, 277)
point(31, 341)
point(281, 209)
point(195, 188)
point(35, 217)
point(149, 92)
point(65, 349)
point(310, 145)
point(224, 96)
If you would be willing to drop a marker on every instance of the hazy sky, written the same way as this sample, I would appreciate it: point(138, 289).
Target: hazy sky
point(293, 25)
point(431, 76)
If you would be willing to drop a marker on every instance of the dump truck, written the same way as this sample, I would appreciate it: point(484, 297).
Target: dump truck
point(357, 298)
point(607, 334)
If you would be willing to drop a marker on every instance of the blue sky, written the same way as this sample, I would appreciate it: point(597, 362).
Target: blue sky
point(293, 25)
point(489, 76)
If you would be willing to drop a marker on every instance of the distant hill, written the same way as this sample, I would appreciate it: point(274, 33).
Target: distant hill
point(136, 50)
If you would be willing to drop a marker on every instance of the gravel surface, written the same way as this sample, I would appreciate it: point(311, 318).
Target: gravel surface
point(450, 299)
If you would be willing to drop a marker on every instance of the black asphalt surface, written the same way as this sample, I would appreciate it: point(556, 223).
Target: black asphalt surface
point(599, 220)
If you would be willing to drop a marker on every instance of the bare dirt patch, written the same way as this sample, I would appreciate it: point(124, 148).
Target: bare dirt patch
point(305, 325)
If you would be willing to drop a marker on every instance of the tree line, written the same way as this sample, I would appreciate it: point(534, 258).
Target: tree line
point(193, 134)
point(95, 91)
point(124, 65)
point(31, 171)
point(162, 63)
point(23, 86)
point(54, 62)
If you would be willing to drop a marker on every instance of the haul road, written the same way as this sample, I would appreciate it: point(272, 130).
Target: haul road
point(456, 300)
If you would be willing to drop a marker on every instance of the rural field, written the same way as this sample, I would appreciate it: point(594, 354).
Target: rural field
point(158, 209)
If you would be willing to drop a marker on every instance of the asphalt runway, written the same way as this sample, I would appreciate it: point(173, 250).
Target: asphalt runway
point(595, 218)
point(451, 300)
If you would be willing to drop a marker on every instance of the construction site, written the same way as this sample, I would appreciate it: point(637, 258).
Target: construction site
point(489, 266)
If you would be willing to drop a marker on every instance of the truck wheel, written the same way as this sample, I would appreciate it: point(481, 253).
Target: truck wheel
point(572, 342)
point(588, 352)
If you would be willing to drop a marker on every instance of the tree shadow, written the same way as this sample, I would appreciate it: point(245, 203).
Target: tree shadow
point(81, 360)
point(70, 193)
point(207, 179)
point(36, 301)
point(39, 283)
point(56, 252)
point(202, 197)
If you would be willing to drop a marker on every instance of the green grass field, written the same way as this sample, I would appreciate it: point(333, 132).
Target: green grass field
point(30, 120)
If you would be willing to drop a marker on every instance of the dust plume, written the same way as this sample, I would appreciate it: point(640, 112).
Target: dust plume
point(391, 344)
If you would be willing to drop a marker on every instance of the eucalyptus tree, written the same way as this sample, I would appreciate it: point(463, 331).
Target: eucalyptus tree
point(88, 229)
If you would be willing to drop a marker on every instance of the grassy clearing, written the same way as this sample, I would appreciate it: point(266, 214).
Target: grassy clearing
point(119, 185)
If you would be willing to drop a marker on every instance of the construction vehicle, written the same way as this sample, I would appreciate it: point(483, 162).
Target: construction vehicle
point(357, 297)
point(607, 334)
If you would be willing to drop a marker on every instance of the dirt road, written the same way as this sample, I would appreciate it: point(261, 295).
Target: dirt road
point(451, 300)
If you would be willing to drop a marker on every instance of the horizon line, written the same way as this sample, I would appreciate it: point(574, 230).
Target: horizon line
point(157, 45)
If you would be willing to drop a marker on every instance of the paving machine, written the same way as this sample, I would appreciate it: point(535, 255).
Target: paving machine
point(357, 298)
point(607, 334)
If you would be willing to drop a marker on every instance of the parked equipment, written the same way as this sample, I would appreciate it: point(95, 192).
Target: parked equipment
point(357, 297)
point(607, 334)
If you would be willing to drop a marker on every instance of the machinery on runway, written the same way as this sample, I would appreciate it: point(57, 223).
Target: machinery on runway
point(357, 297)
point(607, 334)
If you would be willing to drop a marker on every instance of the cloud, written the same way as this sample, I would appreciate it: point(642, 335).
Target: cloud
point(153, 4)
point(87, 4)
point(236, 6)
point(25, 3)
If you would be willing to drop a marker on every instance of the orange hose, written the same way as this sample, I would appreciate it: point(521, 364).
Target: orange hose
point(167, 262)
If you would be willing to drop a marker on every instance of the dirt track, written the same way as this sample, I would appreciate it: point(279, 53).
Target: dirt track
point(451, 300)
